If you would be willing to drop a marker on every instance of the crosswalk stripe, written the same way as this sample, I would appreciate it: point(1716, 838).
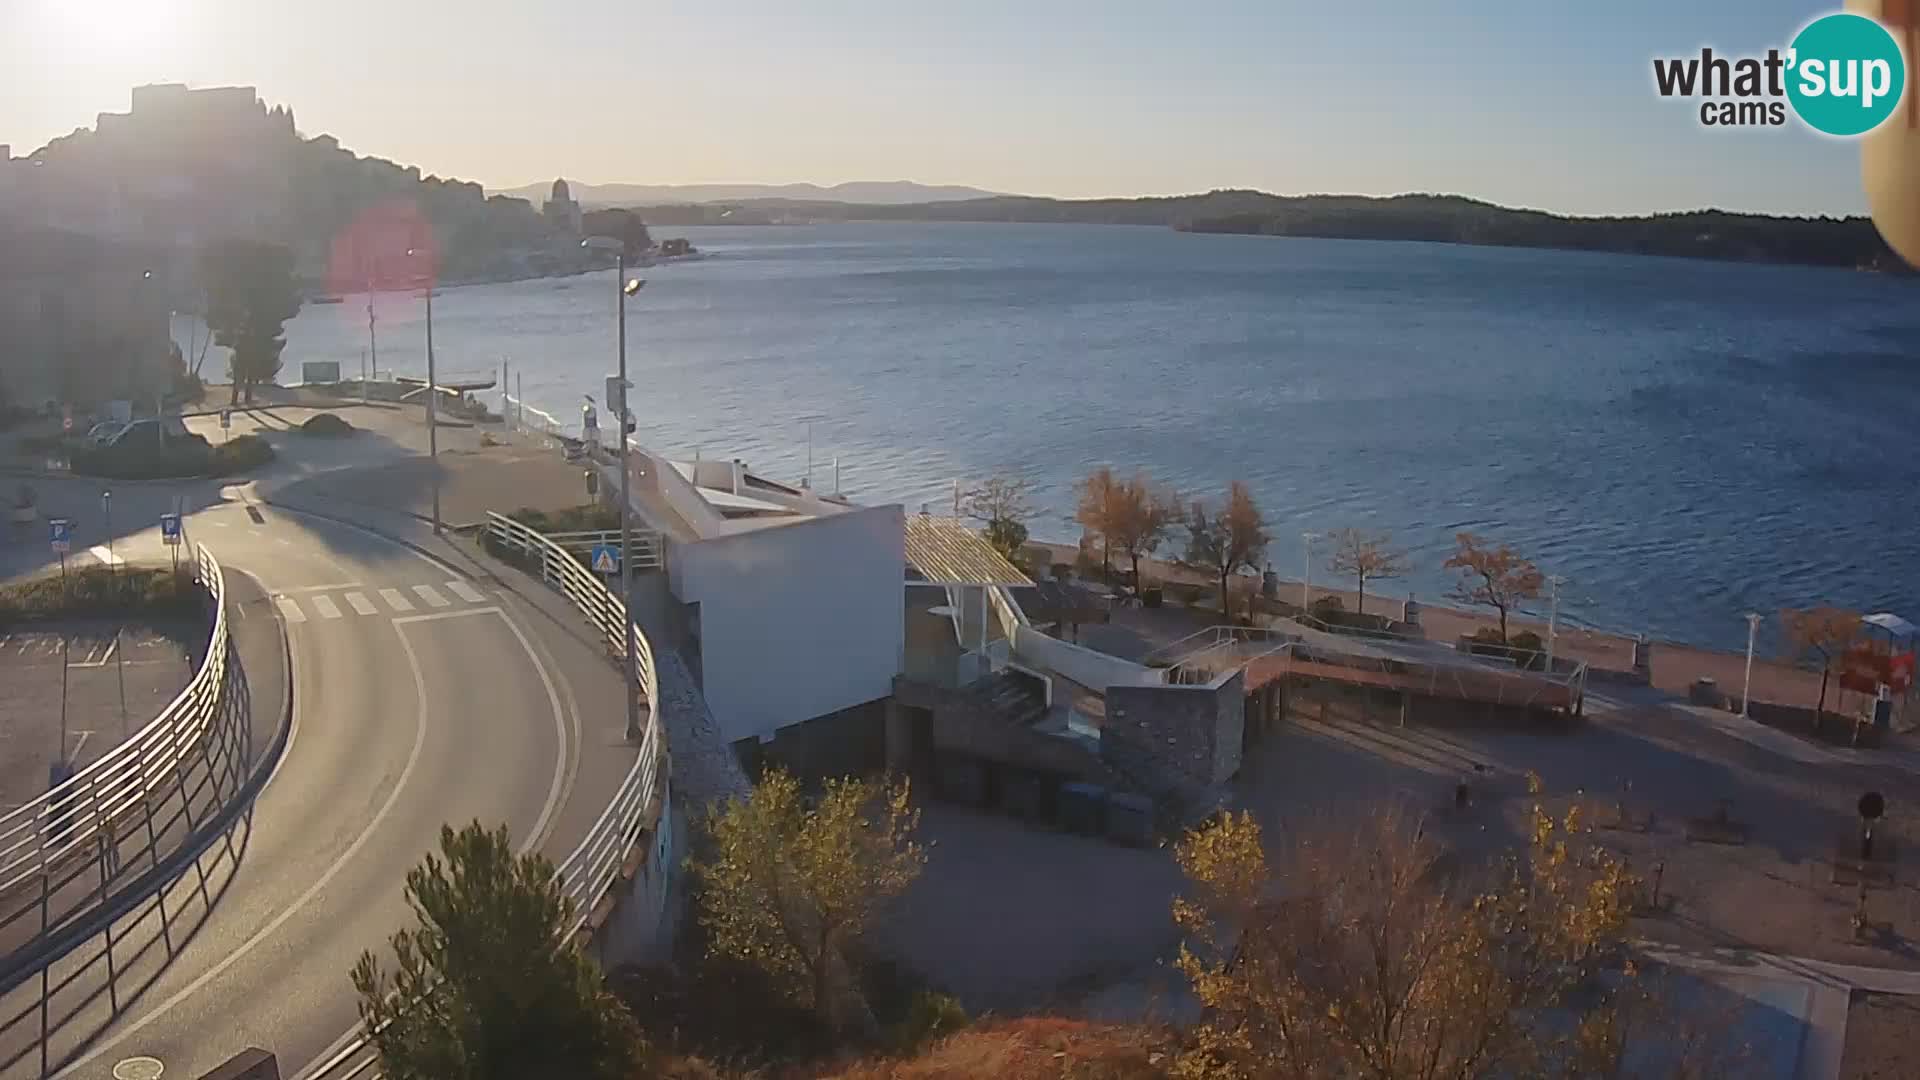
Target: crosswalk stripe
point(395, 600)
point(291, 610)
point(325, 606)
point(106, 555)
point(465, 592)
point(430, 595)
point(360, 604)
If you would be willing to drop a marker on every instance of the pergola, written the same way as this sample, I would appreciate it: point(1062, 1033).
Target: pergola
point(944, 551)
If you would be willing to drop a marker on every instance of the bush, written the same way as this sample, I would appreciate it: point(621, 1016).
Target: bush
point(930, 1016)
point(1530, 652)
point(98, 590)
point(1327, 609)
point(586, 517)
point(239, 454)
point(326, 424)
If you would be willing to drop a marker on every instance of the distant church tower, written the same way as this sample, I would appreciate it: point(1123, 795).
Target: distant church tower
point(561, 211)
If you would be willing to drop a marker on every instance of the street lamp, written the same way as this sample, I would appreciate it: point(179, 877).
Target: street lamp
point(1746, 686)
point(1306, 580)
point(433, 391)
point(624, 289)
point(1554, 581)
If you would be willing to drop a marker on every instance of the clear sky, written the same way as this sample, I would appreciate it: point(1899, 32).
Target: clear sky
point(1546, 103)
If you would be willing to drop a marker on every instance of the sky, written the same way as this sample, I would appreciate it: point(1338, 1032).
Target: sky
point(1546, 104)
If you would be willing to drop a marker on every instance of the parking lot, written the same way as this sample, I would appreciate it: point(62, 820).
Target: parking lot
point(114, 685)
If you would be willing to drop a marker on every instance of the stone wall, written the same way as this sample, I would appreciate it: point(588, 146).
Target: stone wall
point(1176, 738)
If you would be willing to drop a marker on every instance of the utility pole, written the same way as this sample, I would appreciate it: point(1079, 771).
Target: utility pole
point(1553, 615)
point(626, 503)
point(433, 391)
point(1306, 580)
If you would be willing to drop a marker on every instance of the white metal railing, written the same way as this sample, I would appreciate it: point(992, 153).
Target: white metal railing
point(649, 547)
point(65, 853)
point(595, 863)
point(521, 416)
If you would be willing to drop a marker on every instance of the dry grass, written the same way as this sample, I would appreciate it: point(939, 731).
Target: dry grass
point(1030, 1049)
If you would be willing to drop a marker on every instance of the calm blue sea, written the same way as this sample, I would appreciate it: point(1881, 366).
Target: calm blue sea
point(1684, 441)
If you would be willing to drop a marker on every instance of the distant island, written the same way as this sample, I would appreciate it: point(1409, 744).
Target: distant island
point(867, 192)
point(1449, 219)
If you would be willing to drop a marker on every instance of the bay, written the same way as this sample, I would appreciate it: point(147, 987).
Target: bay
point(1684, 441)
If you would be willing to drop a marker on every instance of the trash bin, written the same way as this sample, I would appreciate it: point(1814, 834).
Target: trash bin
point(1129, 819)
point(1083, 808)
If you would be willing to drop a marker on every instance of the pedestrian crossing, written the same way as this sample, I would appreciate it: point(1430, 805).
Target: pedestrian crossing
point(326, 605)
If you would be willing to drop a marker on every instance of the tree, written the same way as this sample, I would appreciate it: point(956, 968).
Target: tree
point(1495, 577)
point(1225, 541)
point(1368, 952)
point(1139, 516)
point(1823, 633)
point(791, 883)
point(1094, 512)
point(250, 296)
point(487, 984)
point(1002, 504)
point(1365, 557)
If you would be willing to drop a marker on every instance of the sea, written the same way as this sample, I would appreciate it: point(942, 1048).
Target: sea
point(1682, 441)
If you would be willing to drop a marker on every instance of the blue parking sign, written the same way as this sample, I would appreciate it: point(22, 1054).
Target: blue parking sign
point(170, 529)
point(60, 534)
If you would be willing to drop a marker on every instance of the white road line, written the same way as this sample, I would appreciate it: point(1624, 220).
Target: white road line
point(106, 555)
point(247, 946)
point(430, 595)
point(325, 606)
point(461, 614)
point(465, 592)
point(336, 586)
point(283, 541)
point(396, 600)
point(360, 604)
point(290, 609)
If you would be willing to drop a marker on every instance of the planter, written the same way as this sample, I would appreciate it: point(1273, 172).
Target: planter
point(1151, 596)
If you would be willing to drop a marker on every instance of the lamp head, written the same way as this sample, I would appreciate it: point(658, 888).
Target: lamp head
point(633, 285)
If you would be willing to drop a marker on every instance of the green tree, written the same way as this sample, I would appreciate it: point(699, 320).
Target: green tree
point(1002, 504)
point(486, 987)
point(250, 296)
point(792, 882)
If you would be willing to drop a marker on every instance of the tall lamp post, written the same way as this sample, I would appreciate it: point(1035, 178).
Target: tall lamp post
point(1746, 686)
point(1306, 579)
point(1554, 581)
point(433, 391)
point(623, 289)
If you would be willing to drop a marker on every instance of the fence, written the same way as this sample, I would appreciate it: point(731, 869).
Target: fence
point(589, 872)
point(523, 417)
point(649, 548)
point(66, 853)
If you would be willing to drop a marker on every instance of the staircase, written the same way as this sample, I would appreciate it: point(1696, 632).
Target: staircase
point(1015, 697)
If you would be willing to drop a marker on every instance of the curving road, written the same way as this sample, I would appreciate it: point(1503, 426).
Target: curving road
point(423, 694)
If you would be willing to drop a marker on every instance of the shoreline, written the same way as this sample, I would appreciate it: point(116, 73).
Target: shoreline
point(1676, 664)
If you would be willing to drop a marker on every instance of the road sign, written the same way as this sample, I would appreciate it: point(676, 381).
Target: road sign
point(60, 532)
point(170, 529)
point(226, 418)
point(66, 418)
point(605, 559)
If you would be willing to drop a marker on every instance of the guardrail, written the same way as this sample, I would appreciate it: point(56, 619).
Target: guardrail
point(64, 854)
point(649, 547)
point(589, 872)
point(523, 417)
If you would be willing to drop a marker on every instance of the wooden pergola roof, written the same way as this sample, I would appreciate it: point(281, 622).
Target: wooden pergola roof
point(944, 551)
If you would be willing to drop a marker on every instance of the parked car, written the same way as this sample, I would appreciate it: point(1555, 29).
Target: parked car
point(103, 432)
point(148, 434)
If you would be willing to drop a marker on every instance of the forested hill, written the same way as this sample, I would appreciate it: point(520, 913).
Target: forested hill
point(1707, 234)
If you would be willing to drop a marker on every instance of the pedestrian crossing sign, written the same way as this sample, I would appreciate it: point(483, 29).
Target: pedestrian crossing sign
point(605, 560)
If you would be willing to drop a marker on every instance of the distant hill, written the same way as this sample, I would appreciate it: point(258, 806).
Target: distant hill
point(876, 192)
point(1448, 219)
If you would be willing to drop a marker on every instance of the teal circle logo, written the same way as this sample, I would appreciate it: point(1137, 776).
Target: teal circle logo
point(1845, 74)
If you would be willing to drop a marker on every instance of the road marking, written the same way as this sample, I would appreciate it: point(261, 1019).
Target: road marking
point(324, 588)
point(465, 592)
point(290, 610)
point(106, 555)
point(325, 606)
point(430, 595)
point(102, 662)
point(333, 871)
point(360, 604)
point(395, 600)
point(461, 614)
point(283, 541)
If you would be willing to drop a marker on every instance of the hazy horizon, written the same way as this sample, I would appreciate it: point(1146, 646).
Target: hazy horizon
point(1519, 104)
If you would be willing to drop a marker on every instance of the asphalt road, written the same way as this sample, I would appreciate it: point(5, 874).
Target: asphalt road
point(423, 695)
